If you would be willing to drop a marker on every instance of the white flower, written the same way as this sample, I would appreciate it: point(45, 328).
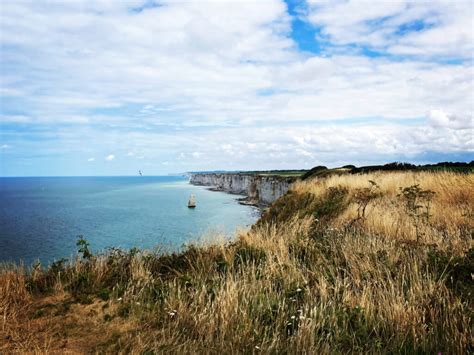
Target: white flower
point(299, 289)
point(293, 317)
point(119, 299)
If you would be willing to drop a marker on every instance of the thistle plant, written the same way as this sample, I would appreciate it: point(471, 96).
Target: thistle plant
point(417, 205)
point(364, 196)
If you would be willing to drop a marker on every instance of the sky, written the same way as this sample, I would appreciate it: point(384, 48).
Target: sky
point(110, 87)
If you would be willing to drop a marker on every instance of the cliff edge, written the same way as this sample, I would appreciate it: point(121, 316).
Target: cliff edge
point(259, 189)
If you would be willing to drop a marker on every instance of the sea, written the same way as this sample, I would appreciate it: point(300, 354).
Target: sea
point(41, 218)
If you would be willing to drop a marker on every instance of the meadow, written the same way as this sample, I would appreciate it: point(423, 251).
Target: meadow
point(380, 262)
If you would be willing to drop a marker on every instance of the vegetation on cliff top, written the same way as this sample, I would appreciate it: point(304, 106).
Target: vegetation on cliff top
point(323, 171)
point(380, 262)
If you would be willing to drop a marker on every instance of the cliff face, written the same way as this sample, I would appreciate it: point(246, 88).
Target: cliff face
point(261, 190)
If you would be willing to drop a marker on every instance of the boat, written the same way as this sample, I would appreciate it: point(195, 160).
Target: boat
point(192, 201)
point(140, 172)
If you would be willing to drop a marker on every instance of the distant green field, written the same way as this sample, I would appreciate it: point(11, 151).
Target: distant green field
point(282, 173)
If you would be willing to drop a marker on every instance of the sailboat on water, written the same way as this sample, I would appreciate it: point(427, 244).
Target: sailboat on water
point(192, 201)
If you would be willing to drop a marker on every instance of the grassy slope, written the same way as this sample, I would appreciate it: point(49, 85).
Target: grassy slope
point(337, 265)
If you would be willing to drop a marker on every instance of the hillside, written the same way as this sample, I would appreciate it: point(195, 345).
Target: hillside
point(366, 262)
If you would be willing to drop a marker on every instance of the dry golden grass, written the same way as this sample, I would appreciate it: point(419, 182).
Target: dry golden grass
point(317, 279)
point(451, 207)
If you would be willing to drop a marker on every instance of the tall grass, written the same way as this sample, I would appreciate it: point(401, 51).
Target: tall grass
point(314, 275)
point(450, 211)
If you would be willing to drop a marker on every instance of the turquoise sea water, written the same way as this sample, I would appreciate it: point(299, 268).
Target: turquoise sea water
point(40, 218)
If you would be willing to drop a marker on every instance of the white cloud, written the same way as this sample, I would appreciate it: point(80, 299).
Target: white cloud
point(91, 159)
point(222, 44)
point(110, 157)
point(388, 25)
point(227, 60)
point(196, 79)
point(357, 87)
point(307, 145)
point(227, 148)
point(303, 152)
point(5, 146)
point(440, 118)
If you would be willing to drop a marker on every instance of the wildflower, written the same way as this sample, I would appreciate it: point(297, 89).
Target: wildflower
point(119, 299)
point(293, 317)
point(137, 303)
point(257, 347)
point(299, 290)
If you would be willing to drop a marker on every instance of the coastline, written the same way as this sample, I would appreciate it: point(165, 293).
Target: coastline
point(243, 200)
point(258, 190)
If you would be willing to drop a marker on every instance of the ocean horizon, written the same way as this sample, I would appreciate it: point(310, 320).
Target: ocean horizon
point(41, 217)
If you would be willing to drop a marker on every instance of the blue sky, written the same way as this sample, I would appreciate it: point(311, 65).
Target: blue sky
point(109, 87)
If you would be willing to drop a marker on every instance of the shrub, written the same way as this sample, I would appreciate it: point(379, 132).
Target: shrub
point(83, 248)
point(417, 205)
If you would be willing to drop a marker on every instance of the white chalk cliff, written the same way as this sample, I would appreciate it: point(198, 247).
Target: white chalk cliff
point(261, 190)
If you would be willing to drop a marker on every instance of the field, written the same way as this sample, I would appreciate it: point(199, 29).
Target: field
point(379, 262)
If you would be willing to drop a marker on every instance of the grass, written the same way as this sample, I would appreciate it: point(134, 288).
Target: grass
point(337, 265)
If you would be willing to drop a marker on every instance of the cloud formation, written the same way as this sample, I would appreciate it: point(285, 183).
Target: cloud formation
point(214, 85)
point(419, 28)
